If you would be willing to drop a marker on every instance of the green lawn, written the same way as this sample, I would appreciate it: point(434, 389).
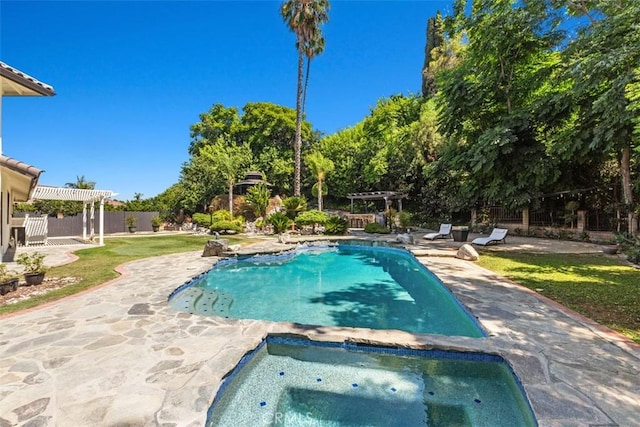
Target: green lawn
point(596, 286)
point(97, 264)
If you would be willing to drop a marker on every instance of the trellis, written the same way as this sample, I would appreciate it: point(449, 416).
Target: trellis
point(86, 196)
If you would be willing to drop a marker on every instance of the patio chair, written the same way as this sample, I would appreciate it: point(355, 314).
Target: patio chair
point(497, 235)
point(445, 231)
point(35, 230)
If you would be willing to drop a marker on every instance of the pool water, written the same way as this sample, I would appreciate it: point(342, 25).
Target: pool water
point(289, 382)
point(354, 286)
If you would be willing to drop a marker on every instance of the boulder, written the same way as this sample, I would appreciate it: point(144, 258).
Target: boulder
point(467, 253)
point(215, 247)
point(406, 238)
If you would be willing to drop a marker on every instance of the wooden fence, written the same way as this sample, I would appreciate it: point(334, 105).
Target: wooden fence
point(114, 222)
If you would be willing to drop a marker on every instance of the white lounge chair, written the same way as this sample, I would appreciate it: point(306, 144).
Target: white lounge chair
point(497, 235)
point(445, 231)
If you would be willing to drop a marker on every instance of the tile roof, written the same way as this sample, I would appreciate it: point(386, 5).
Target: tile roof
point(33, 86)
point(20, 167)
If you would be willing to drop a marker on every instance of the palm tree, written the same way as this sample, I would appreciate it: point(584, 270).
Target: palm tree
point(304, 18)
point(320, 166)
point(81, 183)
point(315, 47)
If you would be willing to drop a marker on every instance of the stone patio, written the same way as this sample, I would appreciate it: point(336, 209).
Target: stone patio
point(119, 355)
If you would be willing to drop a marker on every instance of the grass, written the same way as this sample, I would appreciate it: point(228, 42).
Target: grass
point(596, 286)
point(97, 265)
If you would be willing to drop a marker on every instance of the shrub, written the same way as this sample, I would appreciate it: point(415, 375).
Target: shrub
point(374, 227)
point(294, 205)
point(312, 217)
point(336, 225)
point(258, 197)
point(201, 219)
point(630, 246)
point(220, 220)
point(5, 275)
point(156, 221)
point(222, 215)
point(565, 235)
point(32, 262)
point(226, 226)
point(279, 221)
point(584, 236)
point(405, 219)
point(131, 221)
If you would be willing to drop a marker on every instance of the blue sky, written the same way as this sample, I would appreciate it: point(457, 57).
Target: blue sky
point(132, 76)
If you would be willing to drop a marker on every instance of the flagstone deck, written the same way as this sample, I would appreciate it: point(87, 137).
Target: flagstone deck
point(119, 355)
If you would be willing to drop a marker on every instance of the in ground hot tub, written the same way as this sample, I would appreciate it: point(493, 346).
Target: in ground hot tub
point(295, 382)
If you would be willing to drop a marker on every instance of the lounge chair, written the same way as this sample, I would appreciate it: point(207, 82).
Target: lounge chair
point(445, 231)
point(497, 235)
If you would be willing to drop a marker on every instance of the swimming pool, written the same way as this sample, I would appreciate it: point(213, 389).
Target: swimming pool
point(335, 285)
point(293, 382)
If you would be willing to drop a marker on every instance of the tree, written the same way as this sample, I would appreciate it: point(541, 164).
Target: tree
point(487, 102)
point(319, 166)
point(344, 148)
point(387, 149)
point(304, 18)
point(600, 64)
point(81, 183)
point(199, 183)
point(218, 122)
point(269, 130)
point(228, 161)
point(314, 48)
point(435, 39)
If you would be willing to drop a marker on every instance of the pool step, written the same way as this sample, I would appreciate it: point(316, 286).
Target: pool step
point(202, 301)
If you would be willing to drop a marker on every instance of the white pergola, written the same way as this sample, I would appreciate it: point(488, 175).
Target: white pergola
point(85, 196)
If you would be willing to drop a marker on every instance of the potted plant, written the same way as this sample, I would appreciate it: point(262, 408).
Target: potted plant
point(8, 280)
point(132, 223)
point(460, 233)
point(34, 268)
point(156, 222)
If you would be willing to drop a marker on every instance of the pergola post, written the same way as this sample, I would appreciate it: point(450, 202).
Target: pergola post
point(84, 221)
point(92, 220)
point(102, 221)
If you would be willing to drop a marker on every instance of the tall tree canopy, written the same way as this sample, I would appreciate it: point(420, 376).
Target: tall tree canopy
point(435, 39)
point(486, 101)
point(226, 143)
point(601, 66)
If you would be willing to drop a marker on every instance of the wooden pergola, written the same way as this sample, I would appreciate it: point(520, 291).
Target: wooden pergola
point(86, 196)
point(379, 195)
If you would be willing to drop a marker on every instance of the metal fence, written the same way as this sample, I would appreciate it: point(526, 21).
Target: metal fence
point(499, 214)
point(546, 218)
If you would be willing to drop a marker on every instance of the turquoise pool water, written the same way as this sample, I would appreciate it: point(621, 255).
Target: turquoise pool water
point(356, 286)
point(296, 383)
